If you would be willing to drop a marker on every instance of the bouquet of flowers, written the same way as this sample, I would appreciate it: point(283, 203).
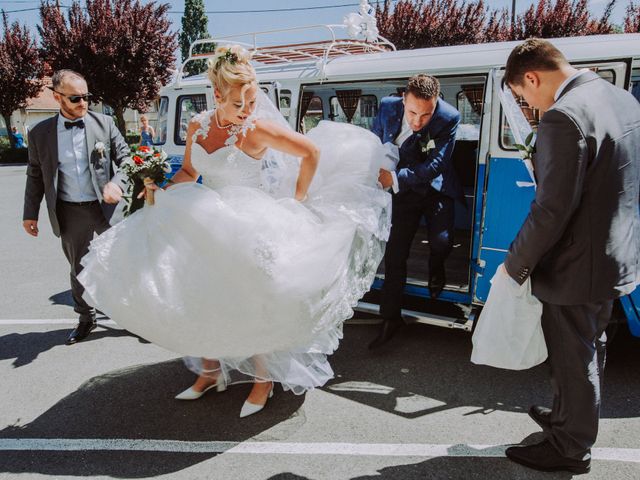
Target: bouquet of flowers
point(146, 166)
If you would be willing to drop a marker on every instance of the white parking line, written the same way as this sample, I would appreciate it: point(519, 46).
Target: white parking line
point(48, 321)
point(631, 455)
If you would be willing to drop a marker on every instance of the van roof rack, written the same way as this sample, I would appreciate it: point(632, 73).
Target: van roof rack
point(361, 37)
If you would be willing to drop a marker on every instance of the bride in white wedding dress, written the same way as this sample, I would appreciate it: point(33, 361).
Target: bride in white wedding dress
point(251, 274)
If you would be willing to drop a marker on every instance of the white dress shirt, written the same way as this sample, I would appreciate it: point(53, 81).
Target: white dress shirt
point(74, 177)
point(405, 132)
point(564, 84)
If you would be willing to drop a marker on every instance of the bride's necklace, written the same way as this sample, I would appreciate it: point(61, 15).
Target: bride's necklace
point(226, 127)
point(233, 130)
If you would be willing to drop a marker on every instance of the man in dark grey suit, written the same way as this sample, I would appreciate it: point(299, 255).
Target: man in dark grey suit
point(581, 241)
point(70, 164)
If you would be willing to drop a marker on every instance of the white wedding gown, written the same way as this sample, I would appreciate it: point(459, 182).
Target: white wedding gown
point(224, 270)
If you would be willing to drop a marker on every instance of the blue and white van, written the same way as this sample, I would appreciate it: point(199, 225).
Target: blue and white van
point(342, 79)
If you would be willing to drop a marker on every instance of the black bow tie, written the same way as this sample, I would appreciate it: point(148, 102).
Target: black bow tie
point(78, 123)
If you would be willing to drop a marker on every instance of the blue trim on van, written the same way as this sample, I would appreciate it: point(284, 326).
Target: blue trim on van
point(176, 162)
point(506, 205)
point(477, 225)
point(631, 306)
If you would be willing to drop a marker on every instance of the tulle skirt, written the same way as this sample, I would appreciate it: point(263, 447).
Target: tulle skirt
point(263, 285)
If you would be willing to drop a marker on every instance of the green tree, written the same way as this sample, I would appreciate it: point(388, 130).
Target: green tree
point(194, 27)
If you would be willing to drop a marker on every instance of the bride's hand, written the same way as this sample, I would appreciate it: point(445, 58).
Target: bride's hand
point(301, 197)
point(150, 186)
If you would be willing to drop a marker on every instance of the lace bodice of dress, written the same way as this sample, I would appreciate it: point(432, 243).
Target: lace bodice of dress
point(227, 166)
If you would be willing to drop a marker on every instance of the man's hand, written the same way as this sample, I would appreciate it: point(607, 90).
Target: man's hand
point(112, 193)
point(31, 227)
point(385, 178)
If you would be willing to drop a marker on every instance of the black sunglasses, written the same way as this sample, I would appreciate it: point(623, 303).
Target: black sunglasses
point(75, 98)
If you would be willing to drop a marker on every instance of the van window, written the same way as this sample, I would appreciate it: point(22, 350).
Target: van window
point(161, 127)
point(469, 102)
point(285, 103)
point(507, 140)
point(362, 109)
point(187, 107)
point(635, 83)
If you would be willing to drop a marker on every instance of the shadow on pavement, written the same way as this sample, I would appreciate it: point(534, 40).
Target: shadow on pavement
point(426, 369)
point(461, 464)
point(287, 476)
point(24, 348)
point(62, 298)
point(138, 403)
point(467, 468)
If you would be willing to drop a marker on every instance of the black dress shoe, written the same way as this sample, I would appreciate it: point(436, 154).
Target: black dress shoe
point(437, 281)
point(435, 289)
point(541, 415)
point(82, 330)
point(387, 331)
point(544, 457)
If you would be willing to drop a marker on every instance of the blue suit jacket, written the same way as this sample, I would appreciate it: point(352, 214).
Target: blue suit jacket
point(417, 170)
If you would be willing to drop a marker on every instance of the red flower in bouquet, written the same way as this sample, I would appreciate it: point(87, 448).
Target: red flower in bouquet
point(146, 165)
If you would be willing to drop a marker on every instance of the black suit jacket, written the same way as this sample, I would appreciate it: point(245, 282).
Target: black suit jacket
point(42, 169)
point(581, 240)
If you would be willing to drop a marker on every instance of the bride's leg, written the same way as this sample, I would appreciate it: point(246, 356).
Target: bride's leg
point(261, 388)
point(209, 375)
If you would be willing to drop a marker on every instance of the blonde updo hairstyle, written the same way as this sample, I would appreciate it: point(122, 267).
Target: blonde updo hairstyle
point(230, 67)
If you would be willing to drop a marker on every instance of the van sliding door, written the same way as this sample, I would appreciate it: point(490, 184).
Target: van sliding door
point(509, 190)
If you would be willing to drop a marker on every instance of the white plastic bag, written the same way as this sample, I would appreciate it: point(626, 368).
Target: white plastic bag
point(509, 331)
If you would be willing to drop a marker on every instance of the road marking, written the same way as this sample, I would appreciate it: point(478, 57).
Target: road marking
point(276, 448)
point(49, 321)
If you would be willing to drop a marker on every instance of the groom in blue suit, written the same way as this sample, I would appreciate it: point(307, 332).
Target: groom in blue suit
point(423, 126)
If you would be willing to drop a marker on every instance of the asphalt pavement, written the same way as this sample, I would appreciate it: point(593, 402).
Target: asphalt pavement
point(417, 409)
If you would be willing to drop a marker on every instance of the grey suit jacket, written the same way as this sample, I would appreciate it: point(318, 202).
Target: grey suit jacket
point(42, 169)
point(581, 240)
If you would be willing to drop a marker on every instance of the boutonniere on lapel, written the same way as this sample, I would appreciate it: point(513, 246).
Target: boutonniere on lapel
point(99, 148)
point(527, 152)
point(529, 148)
point(427, 144)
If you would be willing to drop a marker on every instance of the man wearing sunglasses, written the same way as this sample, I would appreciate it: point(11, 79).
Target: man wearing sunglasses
point(71, 157)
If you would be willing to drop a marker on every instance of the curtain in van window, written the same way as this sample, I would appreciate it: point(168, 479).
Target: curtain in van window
point(305, 102)
point(199, 102)
point(474, 95)
point(349, 100)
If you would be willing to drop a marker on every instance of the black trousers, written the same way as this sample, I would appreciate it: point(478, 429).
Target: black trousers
point(576, 341)
point(78, 223)
point(407, 210)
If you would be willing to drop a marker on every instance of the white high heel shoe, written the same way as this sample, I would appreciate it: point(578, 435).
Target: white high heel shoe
point(249, 408)
point(191, 394)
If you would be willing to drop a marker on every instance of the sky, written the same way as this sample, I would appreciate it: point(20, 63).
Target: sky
point(250, 15)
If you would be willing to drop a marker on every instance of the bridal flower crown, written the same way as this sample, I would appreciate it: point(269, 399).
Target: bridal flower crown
point(227, 56)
